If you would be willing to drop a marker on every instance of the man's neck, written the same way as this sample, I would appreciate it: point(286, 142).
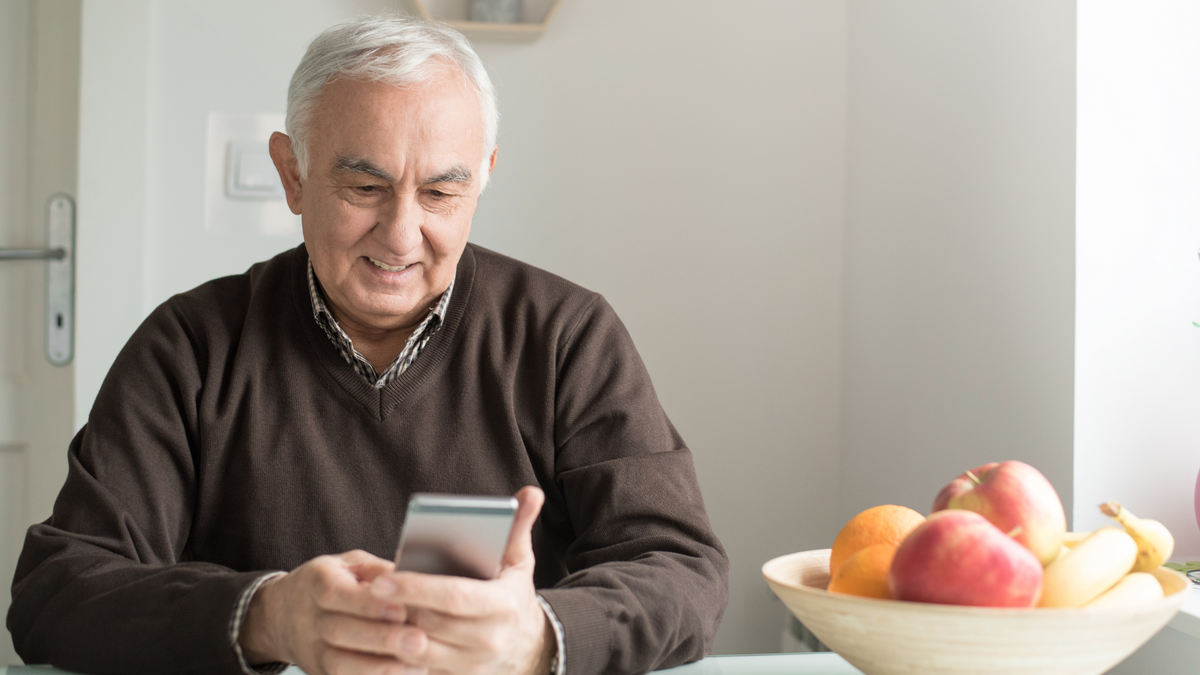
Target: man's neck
point(380, 347)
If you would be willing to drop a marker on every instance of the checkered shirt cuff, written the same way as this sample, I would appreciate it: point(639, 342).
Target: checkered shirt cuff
point(558, 666)
point(235, 629)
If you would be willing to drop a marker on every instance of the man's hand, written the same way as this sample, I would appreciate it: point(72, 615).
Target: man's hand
point(352, 613)
point(466, 626)
point(323, 617)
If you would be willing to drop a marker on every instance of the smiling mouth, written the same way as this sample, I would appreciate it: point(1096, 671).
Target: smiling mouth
point(387, 268)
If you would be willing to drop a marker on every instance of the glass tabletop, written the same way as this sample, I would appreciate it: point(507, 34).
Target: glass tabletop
point(814, 663)
point(823, 663)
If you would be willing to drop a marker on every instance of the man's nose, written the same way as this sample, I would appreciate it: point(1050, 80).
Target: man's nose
point(400, 222)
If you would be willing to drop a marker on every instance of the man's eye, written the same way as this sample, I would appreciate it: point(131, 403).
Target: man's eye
point(368, 188)
point(438, 194)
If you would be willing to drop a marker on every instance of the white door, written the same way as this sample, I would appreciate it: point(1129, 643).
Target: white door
point(39, 102)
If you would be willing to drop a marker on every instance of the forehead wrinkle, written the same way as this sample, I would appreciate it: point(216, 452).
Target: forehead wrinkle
point(360, 165)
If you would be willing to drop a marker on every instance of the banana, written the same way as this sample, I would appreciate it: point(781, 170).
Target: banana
point(1092, 567)
point(1136, 588)
point(1155, 543)
point(1070, 539)
point(1063, 550)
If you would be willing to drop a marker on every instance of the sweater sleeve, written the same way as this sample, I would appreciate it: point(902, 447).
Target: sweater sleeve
point(647, 579)
point(105, 585)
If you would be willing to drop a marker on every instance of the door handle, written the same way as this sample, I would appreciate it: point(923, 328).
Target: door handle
point(60, 276)
point(32, 253)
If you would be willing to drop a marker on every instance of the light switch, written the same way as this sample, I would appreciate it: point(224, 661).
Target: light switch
point(250, 173)
point(242, 192)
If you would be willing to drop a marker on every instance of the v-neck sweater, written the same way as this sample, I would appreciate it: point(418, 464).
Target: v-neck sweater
point(230, 439)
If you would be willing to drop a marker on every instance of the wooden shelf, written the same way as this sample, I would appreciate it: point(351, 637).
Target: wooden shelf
point(497, 32)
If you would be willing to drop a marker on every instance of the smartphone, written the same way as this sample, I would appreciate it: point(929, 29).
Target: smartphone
point(458, 535)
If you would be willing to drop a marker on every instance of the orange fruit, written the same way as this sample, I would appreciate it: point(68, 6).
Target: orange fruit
point(887, 524)
point(865, 573)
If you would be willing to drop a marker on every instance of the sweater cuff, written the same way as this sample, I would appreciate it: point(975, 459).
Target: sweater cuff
point(587, 632)
point(235, 629)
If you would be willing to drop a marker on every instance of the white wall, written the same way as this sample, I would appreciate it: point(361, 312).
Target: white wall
point(959, 245)
point(1138, 277)
point(111, 204)
point(687, 162)
point(683, 158)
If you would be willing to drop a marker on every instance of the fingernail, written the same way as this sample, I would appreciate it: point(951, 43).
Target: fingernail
point(395, 613)
point(383, 586)
point(411, 643)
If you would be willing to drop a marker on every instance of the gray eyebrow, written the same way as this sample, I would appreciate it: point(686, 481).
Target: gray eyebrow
point(359, 165)
point(458, 174)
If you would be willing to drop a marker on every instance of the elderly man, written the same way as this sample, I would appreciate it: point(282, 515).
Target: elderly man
point(280, 419)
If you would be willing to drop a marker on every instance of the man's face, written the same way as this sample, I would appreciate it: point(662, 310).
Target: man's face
point(393, 181)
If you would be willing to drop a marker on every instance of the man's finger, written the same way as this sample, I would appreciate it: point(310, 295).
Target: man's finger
point(336, 588)
point(456, 596)
point(519, 548)
point(453, 631)
point(440, 657)
point(366, 566)
point(383, 638)
point(338, 661)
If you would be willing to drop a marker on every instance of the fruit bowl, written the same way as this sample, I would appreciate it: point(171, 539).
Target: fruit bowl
point(889, 637)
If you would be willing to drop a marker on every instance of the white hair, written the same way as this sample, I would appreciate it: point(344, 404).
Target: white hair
point(395, 50)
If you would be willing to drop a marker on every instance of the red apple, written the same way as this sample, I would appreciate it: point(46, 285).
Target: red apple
point(958, 558)
point(1016, 498)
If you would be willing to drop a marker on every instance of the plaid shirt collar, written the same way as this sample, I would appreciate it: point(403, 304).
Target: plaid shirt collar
point(412, 348)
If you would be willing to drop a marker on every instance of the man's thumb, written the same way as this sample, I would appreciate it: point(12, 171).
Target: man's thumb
point(520, 539)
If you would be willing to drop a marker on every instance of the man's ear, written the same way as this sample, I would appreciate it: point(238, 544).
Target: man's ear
point(288, 168)
point(492, 161)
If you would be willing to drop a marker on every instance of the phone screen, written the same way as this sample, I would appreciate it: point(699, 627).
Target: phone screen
point(455, 534)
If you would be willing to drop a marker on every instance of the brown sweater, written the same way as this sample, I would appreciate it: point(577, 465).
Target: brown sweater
point(230, 438)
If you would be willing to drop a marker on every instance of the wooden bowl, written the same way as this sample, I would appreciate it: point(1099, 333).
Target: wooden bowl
point(889, 637)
